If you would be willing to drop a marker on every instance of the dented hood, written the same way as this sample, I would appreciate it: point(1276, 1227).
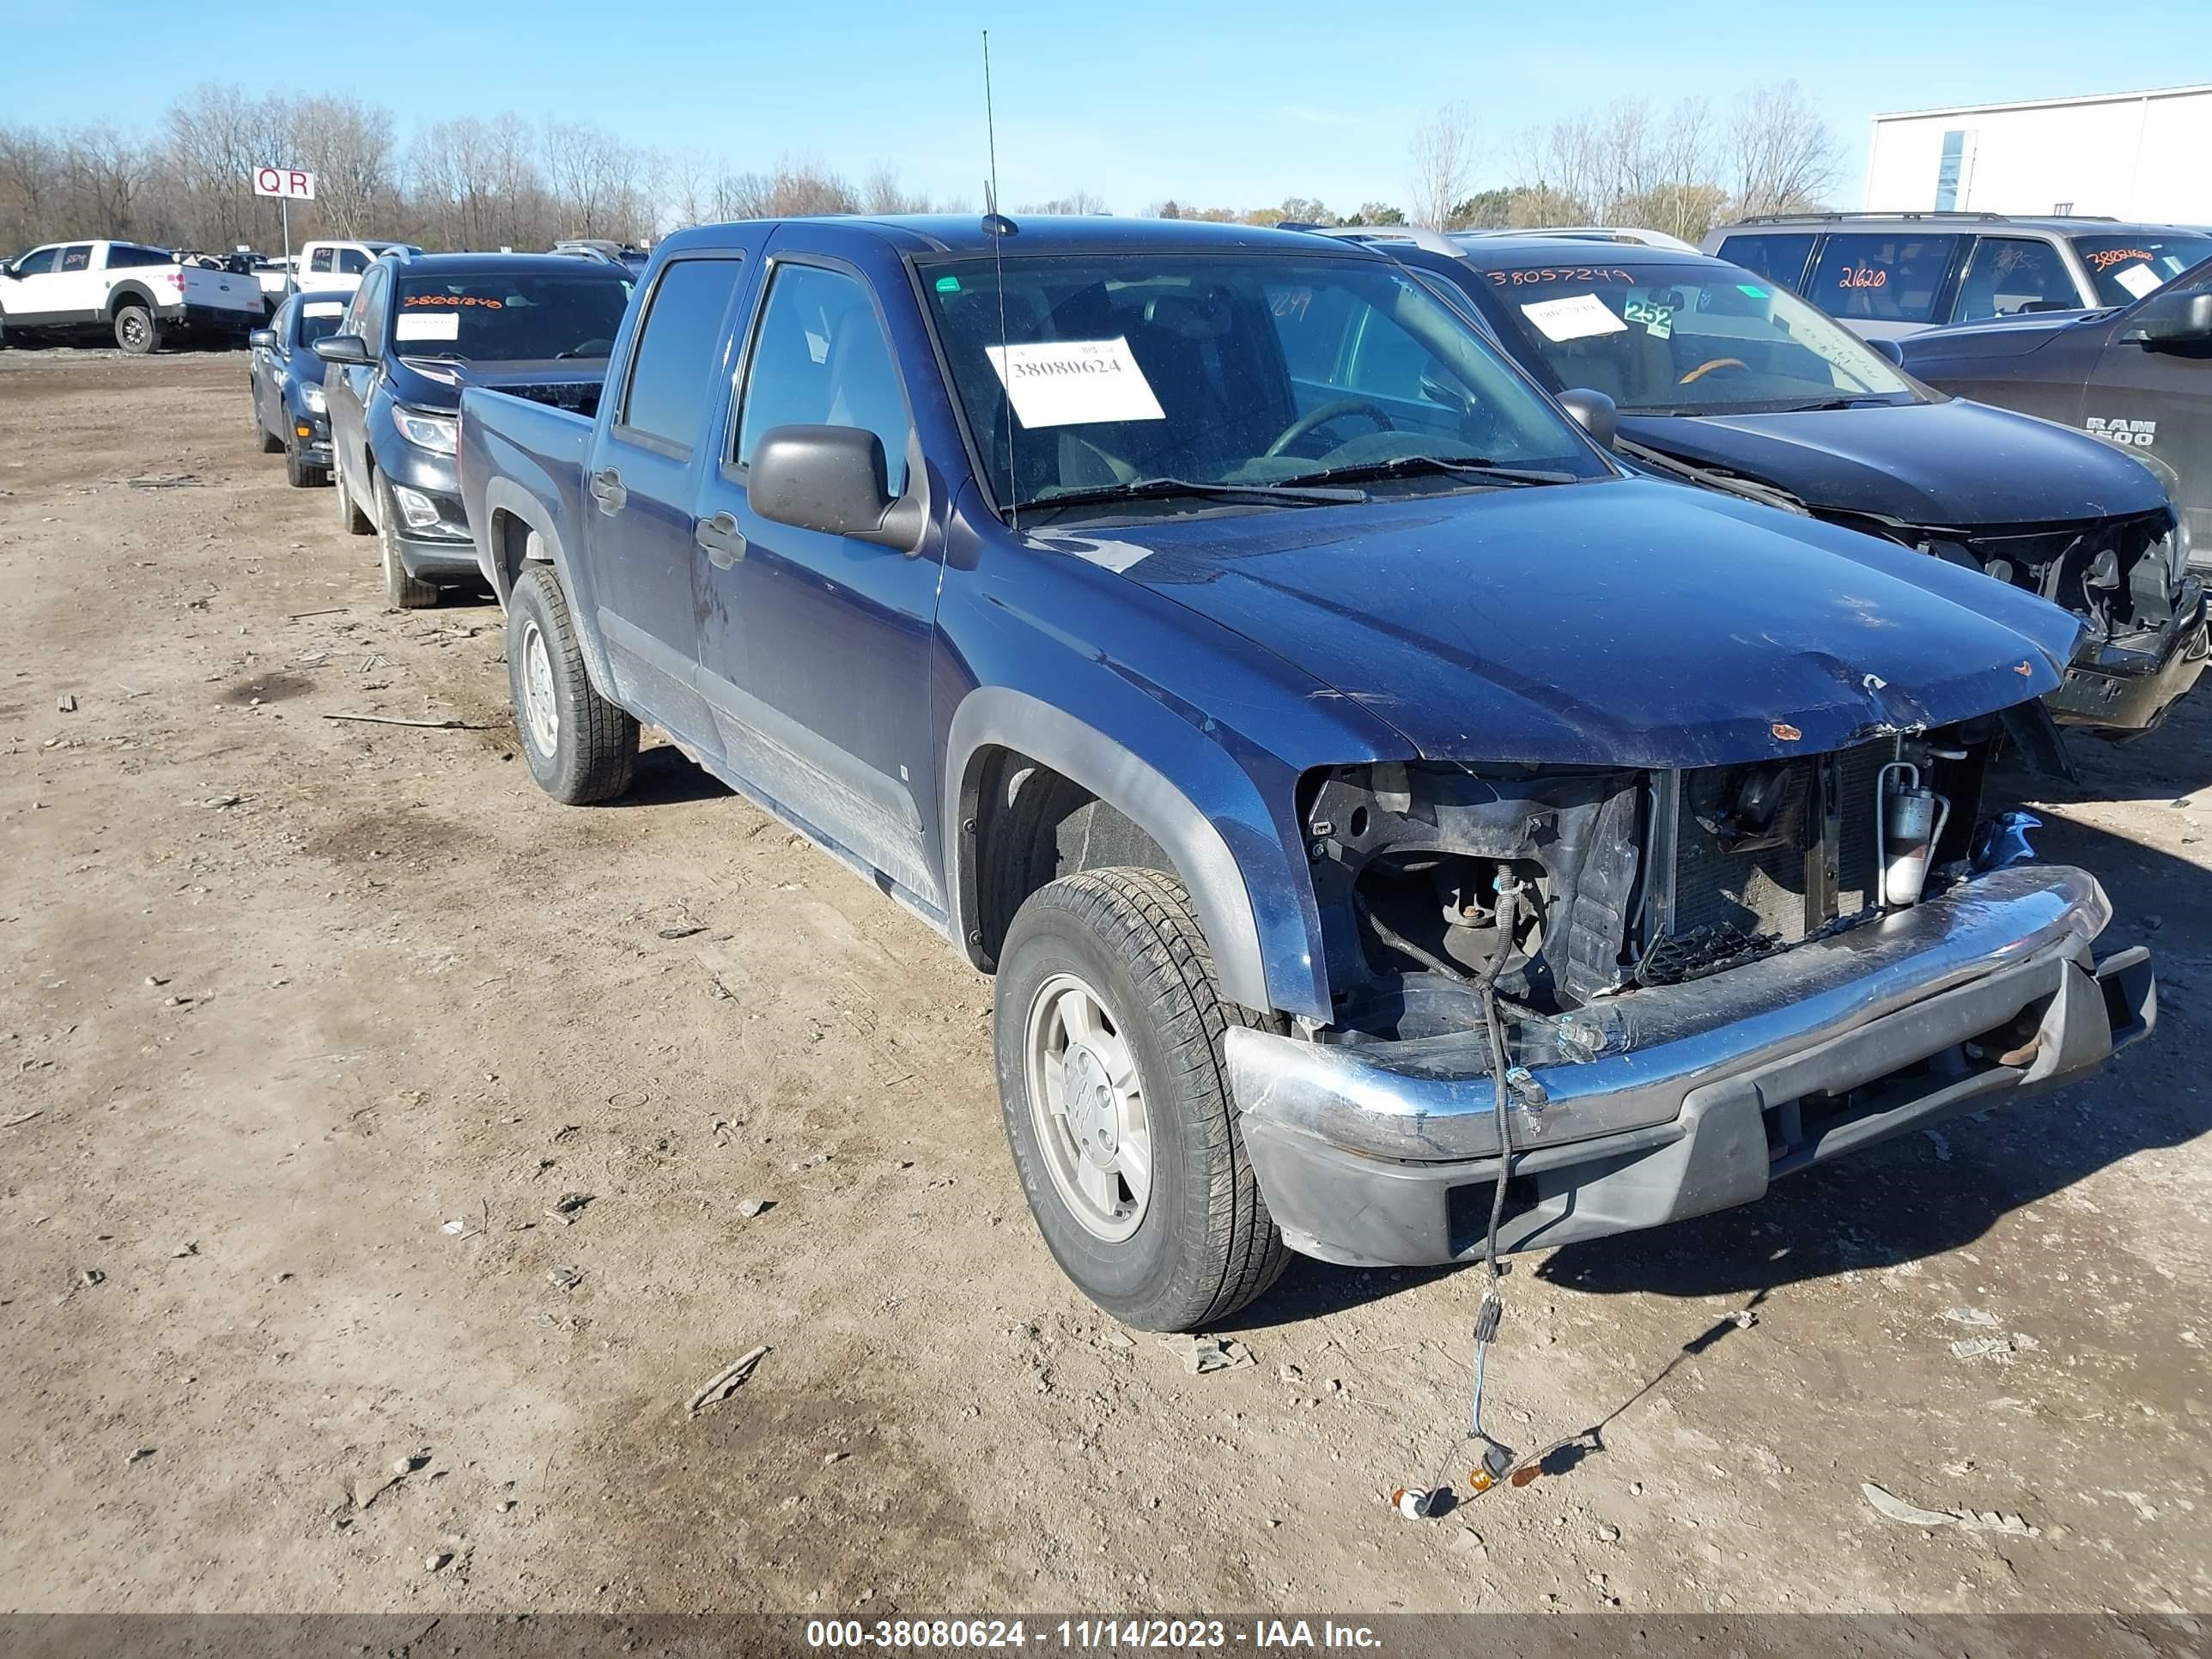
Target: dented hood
point(1953, 462)
point(1622, 622)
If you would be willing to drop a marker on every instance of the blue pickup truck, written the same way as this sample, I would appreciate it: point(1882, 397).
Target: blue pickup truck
point(1397, 830)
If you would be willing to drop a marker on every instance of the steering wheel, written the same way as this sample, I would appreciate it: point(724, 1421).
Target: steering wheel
point(1710, 365)
point(1314, 419)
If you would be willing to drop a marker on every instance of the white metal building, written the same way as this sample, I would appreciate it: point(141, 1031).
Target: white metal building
point(2145, 155)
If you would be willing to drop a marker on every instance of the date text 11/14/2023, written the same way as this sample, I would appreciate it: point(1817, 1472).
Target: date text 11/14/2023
point(1084, 1635)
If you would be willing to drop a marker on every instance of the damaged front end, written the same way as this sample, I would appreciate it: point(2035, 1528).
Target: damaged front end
point(1704, 977)
point(2126, 578)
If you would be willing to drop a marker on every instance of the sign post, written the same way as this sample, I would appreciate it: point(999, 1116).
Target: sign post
point(287, 185)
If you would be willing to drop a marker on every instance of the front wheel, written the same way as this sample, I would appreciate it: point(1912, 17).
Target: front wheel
point(580, 747)
point(401, 590)
point(1108, 1026)
point(351, 519)
point(297, 473)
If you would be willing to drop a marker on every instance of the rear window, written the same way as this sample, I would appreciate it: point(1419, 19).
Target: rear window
point(679, 351)
point(1882, 278)
point(123, 254)
point(1778, 258)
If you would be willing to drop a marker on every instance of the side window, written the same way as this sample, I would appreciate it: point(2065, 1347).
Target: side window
point(1888, 278)
point(2010, 274)
point(121, 255)
point(365, 311)
point(679, 350)
point(323, 259)
point(76, 257)
point(40, 262)
point(820, 358)
point(1778, 258)
point(351, 261)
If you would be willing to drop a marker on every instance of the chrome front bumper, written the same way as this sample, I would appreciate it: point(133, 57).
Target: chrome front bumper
point(1384, 1153)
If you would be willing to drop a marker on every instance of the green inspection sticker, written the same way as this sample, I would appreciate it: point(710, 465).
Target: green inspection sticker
point(1751, 289)
point(948, 285)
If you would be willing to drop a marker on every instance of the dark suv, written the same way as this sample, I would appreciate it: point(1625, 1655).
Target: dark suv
point(420, 327)
point(1893, 274)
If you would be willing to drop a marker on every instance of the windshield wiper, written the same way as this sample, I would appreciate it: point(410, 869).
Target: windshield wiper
point(1480, 472)
point(1143, 489)
point(1863, 400)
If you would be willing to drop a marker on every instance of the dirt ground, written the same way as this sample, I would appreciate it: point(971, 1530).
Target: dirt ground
point(306, 1024)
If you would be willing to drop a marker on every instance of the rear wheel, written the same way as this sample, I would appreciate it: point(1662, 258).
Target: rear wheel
point(402, 591)
point(1108, 1030)
point(580, 747)
point(137, 329)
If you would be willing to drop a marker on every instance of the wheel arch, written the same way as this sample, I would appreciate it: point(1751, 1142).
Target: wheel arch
point(132, 292)
point(511, 515)
point(993, 723)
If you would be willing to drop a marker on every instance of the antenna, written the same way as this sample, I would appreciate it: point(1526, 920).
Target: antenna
point(998, 224)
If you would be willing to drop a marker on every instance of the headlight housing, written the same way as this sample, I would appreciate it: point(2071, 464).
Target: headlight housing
point(311, 395)
point(427, 430)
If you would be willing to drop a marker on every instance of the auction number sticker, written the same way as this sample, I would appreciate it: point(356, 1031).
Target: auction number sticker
point(1578, 317)
point(2139, 280)
point(1074, 382)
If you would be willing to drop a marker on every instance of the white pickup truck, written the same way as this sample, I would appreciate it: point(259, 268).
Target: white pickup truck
point(139, 294)
point(337, 267)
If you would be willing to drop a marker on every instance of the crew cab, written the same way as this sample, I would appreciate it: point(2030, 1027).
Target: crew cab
point(1711, 373)
point(417, 330)
point(339, 266)
point(141, 296)
point(2138, 376)
point(1365, 794)
point(286, 378)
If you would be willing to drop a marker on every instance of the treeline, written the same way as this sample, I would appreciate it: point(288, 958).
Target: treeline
point(468, 182)
point(506, 181)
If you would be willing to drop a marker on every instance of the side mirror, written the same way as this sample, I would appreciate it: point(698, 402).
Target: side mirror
point(262, 339)
point(342, 349)
point(1593, 412)
point(831, 478)
point(1889, 348)
point(2173, 320)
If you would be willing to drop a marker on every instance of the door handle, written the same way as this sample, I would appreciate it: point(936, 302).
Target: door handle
point(607, 490)
point(724, 542)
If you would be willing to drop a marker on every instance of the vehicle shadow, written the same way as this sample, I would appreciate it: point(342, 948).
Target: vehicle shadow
point(665, 778)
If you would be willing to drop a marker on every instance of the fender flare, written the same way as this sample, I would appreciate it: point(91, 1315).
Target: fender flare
point(504, 497)
point(999, 717)
point(131, 289)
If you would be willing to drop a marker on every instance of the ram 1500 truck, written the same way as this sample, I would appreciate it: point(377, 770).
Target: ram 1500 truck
point(1362, 796)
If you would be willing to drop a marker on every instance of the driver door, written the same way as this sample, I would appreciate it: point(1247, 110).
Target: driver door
point(30, 295)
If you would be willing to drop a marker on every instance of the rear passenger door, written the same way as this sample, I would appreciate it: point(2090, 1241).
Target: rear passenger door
point(816, 647)
point(641, 485)
point(2007, 275)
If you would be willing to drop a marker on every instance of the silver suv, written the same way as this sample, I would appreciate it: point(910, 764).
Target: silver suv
point(1887, 274)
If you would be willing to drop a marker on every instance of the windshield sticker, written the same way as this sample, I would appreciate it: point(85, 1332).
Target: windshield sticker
point(1576, 318)
point(1074, 383)
point(1751, 289)
point(324, 308)
point(948, 285)
point(1539, 274)
point(2139, 280)
point(1658, 320)
point(427, 325)
point(2106, 259)
point(484, 302)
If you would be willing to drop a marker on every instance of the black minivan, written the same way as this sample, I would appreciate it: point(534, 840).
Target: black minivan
point(420, 327)
point(1710, 374)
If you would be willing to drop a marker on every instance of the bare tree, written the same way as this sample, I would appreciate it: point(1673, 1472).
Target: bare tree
point(349, 146)
point(1781, 156)
point(1080, 202)
point(1443, 163)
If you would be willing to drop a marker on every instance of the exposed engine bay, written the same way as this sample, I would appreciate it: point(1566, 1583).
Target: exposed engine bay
point(1564, 892)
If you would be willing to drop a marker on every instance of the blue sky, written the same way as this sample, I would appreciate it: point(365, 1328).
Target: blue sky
point(1231, 104)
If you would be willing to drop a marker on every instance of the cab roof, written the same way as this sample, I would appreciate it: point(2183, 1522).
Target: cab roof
point(964, 234)
point(1495, 252)
point(497, 265)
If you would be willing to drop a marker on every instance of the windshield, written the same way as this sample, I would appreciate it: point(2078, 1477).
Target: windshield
point(2126, 268)
point(510, 318)
point(1242, 369)
point(1698, 339)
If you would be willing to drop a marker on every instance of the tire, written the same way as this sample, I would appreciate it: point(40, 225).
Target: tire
point(401, 590)
point(351, 519)
point(587, 750)
point(271, 443)
point(298, 473)
point(1198, 1243)
point(137, 331)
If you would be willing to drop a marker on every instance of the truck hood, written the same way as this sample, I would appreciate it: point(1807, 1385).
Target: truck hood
point(429, 384)
point(1947, 464)
point(1999, 336)
point(1625, 623)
